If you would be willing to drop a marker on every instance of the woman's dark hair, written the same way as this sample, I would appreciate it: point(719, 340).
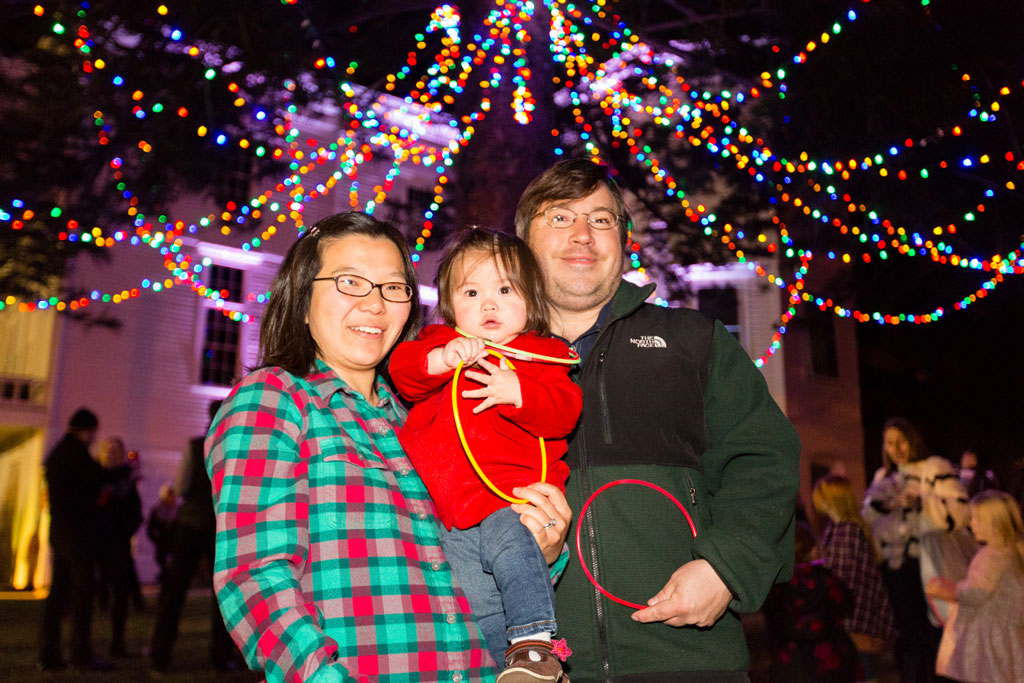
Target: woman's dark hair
point(567, 181)
point(285, 340)
point(514, 257)
point(911, 434)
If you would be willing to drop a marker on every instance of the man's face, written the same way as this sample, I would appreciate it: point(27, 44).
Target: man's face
point(582, 266)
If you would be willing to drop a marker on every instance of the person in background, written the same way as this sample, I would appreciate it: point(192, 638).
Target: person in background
point(805, 620)
point(892, 506)
point(983, 640)
point(491, 289)
point(974, 475)
point(160, 527)
point(329, 567)
point(119, 517)
point(193, 545)
point(847, 550)
point(947, 545)
point(73, 480)
point(670, 398)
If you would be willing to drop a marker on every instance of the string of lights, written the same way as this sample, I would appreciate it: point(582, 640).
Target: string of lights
point(576, 33)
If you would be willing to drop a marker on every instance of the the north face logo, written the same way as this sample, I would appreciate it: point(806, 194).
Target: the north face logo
point(648, 341)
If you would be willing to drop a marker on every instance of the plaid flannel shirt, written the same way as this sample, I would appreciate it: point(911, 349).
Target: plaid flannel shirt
point(848, 553)
point(328, 565)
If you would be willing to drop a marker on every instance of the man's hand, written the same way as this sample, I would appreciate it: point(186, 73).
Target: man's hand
point(501, 386)
point(695, 594)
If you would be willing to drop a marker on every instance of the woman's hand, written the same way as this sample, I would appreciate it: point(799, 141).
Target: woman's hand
point(548, 505)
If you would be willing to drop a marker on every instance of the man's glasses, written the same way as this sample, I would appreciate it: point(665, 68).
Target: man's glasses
point(353, 285)
point(561, 217)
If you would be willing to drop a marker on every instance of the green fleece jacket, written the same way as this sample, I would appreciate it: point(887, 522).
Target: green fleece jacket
point(671, 398)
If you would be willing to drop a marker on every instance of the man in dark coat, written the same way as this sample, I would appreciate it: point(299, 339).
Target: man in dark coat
point(74, 481)
point(194, 533)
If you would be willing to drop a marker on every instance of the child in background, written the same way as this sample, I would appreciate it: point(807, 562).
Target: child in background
point(847, 549)
point(983, 640)
point(805, 620)
point(491, 288)
point(160, 527)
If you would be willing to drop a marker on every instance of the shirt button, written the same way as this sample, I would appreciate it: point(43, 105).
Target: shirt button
point(450, 618)
point(456, 678)
point(404, 471)
point(436, 566)
point(422, 515)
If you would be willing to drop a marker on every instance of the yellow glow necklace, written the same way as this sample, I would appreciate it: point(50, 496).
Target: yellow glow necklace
point(458, 422)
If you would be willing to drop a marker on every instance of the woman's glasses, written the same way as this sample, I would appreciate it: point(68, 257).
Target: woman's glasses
point(353, 285)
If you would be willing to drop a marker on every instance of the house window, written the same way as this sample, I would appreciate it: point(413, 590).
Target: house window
point(225, 279)
point(218, 364)
point(721, 303)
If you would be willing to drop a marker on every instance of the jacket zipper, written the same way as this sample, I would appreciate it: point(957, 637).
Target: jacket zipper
point(606, 421)
point(693, 489)
point(588, 521)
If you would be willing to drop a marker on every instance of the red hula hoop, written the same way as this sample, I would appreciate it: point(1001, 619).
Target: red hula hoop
point(579, 526)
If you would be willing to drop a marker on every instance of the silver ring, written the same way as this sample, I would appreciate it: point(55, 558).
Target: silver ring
point(551, 523)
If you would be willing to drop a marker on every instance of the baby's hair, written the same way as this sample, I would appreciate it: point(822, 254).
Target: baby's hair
point(512, 256)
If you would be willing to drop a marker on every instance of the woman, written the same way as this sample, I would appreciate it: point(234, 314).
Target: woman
point(328, 563)
point(848, 551)
point(892, 506)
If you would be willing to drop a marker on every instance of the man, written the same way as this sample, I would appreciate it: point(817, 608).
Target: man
point(73, 481)
point(670, 398)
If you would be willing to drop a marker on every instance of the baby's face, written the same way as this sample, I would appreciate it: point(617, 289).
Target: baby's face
point(485, 302)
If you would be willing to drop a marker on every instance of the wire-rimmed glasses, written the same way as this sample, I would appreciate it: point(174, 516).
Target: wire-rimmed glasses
point(562, 217)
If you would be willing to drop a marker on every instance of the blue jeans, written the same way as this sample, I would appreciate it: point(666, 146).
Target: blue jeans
point(505, 577)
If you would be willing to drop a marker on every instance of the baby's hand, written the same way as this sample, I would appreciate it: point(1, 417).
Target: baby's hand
point(462, 349)
point(501, 386)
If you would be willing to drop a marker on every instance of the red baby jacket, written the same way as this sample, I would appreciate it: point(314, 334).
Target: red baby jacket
point(503, 438)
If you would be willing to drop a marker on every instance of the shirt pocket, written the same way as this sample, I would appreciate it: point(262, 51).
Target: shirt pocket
point(342, 449)
point(347, 488)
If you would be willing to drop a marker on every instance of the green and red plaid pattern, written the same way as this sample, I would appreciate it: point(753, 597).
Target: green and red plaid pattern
point(328, 564)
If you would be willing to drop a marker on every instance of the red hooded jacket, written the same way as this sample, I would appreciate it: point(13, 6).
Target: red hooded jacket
point(503, 438)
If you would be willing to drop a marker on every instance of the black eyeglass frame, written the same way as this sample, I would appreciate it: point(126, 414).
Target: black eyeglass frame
point(373, 285)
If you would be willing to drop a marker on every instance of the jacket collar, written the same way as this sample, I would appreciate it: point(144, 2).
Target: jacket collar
point(629, 297)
